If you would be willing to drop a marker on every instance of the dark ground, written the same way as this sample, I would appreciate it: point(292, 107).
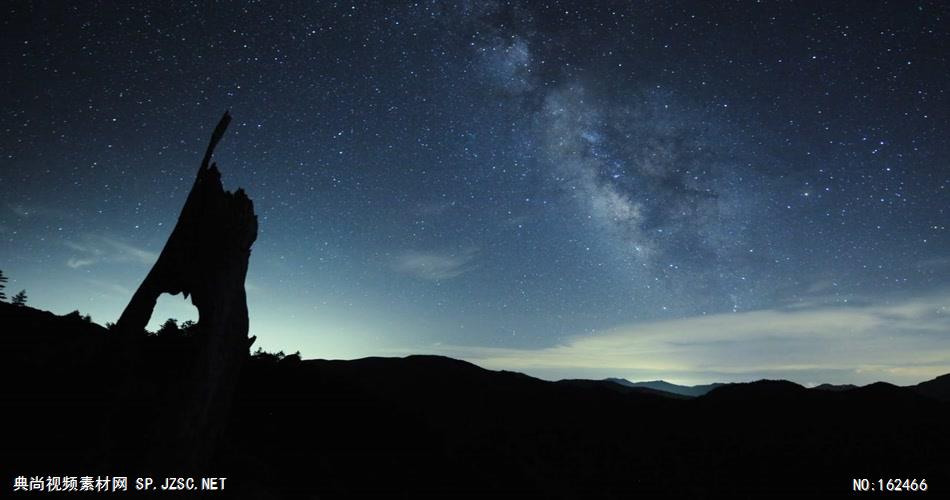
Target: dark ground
point(426, 426)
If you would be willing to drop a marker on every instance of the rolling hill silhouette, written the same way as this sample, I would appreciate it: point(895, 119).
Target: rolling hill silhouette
point(937, 388)
point(664, 386)
point(426, 426)
point(834, 387)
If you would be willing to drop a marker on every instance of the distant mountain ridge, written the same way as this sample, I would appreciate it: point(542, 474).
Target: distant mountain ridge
point(664, 386)
point(937, 388)
point(835, 387)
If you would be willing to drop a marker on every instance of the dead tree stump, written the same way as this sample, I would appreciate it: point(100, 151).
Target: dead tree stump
point(206, 258)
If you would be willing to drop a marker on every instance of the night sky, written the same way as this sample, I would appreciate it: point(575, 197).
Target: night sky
point(693, 191)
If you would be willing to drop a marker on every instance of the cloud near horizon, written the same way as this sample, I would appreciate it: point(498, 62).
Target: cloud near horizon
point(902, 342)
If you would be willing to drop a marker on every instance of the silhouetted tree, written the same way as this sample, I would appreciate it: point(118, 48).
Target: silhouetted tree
point(78, 316)
point(263, 355)
point(19, 299)
point(205, 259)
point(291, 358)
point(169, 328)
point(3, 279)
point(188, 328)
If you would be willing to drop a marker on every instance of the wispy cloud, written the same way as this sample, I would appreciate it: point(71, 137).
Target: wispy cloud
point(25, 211)
point(903, 342)
point(76, 263)
point(434, 266)
point(19, 209)
point(95, 249)
point(113, 290)
point(935, 263)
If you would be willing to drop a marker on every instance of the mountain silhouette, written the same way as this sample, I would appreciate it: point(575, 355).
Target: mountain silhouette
point(430, 426)
point(834, 387)
point(937, 388)
point(664, 386)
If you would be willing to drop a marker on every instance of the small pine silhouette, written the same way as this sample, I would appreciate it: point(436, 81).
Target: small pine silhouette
point(3, 279)
point(19, 299)
point(169, 328)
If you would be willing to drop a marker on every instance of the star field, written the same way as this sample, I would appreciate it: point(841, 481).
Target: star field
point(681, 190)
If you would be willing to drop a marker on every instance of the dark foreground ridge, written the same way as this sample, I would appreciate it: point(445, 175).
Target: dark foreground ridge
point(426, 426)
